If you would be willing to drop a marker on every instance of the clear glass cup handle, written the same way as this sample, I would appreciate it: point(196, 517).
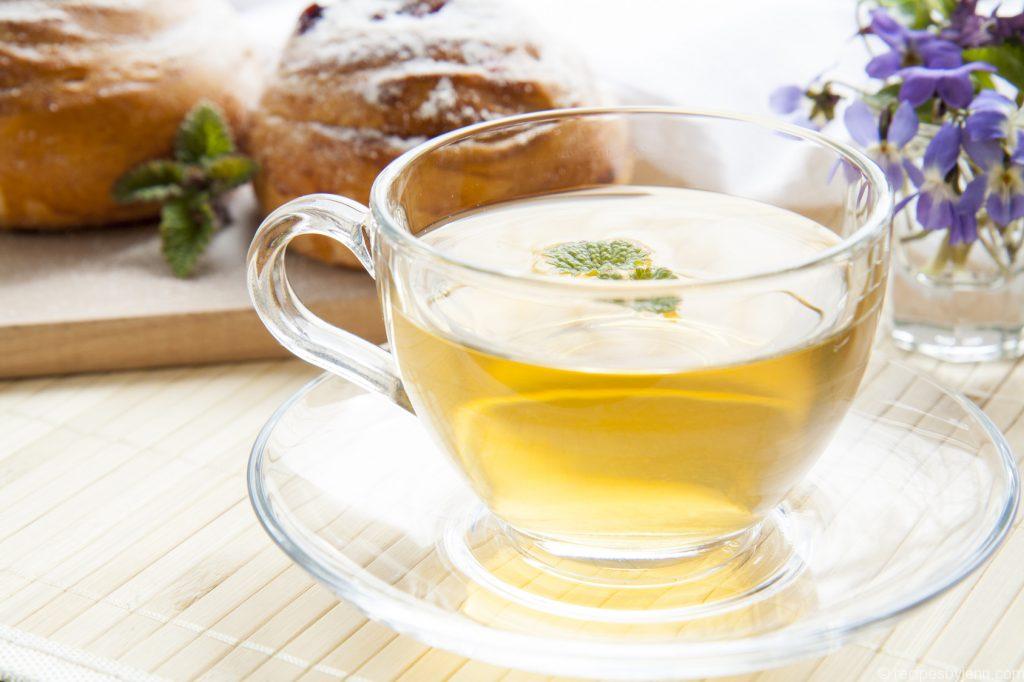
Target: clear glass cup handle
point(291, 322)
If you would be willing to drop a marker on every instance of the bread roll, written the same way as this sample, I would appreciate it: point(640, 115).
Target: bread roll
point(362, 81)
point(89, 89)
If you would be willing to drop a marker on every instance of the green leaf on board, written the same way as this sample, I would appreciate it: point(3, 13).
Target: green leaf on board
point(203, 135)
point(156, 180)
point(230, 170)
point(205, 166)
point(186, 228)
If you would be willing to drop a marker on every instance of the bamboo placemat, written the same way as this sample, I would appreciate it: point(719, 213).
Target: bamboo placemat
point(128, 549)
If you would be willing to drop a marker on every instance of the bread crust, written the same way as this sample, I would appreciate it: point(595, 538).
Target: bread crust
point(369, 79)
point(89, 89)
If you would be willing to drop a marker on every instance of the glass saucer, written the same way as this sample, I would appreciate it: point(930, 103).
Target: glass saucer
point(916, 490)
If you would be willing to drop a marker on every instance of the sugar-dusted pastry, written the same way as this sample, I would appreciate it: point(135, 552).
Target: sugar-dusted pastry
point(362, 81)
point(89, 88)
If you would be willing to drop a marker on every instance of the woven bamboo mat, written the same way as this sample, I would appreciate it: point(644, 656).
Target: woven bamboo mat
point(128, 549)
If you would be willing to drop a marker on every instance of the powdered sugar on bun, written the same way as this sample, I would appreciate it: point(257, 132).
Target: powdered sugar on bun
point(61, 53)
point(361, 81)
point(416, 69)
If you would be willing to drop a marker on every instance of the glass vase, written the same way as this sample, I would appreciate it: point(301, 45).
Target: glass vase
point(960, 302)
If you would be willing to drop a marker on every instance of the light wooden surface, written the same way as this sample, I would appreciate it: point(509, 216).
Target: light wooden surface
point(126, 539)
point(104, 299)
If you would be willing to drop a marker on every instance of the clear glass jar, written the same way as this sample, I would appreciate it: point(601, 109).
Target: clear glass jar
point(961, 303)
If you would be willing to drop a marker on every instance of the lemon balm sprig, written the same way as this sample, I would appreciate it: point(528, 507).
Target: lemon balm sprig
point(613, 259)
point(189, 186)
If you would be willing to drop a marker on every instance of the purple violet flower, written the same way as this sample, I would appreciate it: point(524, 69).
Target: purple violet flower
point(1005, 194)
point(1004, 178)
point(969, 29)
point(908, 48)
point(1007, 28)
point(954, 85)
point(1002, 169)
point(964, 228)
point(936, 199)
point(786, 99)
point(884, 138)
point(993, 117)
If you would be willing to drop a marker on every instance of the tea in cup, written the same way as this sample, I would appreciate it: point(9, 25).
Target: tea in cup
point(630, 354)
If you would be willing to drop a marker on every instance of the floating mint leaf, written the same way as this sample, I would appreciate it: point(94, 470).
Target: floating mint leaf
point(663, 305)
point(203, 135)
point(596, 259)
point(613, 259)
point(651, 272)
point(186, 228)
point(156, 180)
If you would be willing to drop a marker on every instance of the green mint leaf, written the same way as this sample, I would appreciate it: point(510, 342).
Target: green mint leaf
point(1008, 58)
point(205, 165)
point(186, 228)
point(229, 170)
point(203, 134)
point(653, 272)
point(613, 259)
point(156, 180)
point(596, 259)
point(663, 305)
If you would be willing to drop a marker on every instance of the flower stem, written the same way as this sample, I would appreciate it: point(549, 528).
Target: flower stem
point(941, 260)
point(913, 237)
point(985, 236)
point(960, 252)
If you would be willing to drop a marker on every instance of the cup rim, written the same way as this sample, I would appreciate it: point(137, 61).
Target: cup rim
point(877, 221)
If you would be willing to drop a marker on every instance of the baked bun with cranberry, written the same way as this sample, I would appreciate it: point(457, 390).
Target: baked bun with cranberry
point(90, 88)
point(362, 81)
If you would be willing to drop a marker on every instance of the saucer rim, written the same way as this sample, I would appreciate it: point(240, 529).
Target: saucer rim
point(435, 627)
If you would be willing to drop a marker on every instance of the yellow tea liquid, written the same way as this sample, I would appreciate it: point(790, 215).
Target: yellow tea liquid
point(593, 421)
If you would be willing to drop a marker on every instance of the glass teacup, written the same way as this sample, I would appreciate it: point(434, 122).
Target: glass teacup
point(650, 415)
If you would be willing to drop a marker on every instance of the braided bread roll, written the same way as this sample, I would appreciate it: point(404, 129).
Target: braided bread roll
point(90, 88)
point(362, 81)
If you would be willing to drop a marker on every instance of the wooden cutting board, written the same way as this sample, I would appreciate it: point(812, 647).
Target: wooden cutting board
point(103, 299)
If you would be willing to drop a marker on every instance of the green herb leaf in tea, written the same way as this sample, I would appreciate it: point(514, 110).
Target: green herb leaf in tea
point(613, 259)
point(663, 305)
point(596, 259)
